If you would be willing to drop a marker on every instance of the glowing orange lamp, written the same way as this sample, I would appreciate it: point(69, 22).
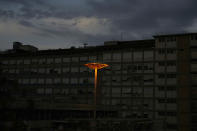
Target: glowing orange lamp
point(95, 67)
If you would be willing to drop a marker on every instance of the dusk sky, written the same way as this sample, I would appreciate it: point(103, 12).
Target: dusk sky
point(52, 24)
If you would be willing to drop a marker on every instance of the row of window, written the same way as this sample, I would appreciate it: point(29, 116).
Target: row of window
point(43, 61)
point(56, 81)
point(173, 38)
point(65, 91)
point(136, 57)
point(165, 113)
point(167, 39)
point(129, 68)
point(167, 100)
point(168, 88)
point(106, 56)
point(58, 71)
point(166, 51)
point(167, 75)
point(129, 55)
point(47, 70)
point(169, 63)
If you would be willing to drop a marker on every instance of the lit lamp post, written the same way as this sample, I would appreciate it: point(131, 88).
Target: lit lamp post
point(95, 67)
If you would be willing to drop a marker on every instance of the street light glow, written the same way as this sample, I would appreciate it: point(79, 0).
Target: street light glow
point(95, 66)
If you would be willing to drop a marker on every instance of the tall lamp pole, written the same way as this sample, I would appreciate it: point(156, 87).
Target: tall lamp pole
point(95, 67)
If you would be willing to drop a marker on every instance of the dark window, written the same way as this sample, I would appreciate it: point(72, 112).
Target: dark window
point(161, 76)
point(162, 39)
point(171, 126)
point(161, 88)
point(192, 37)
point(139, 67)
point(171, 88)
point(173, 38)
point(161, 51)
point(171, 75)
point(169, 100)
point(161, 63)
point(163, 113)
point(145, 115)
point(168, 88)
point(145, 67)
point(170, 51)
point(171, 63)
point(181, 49)
point(170, 39)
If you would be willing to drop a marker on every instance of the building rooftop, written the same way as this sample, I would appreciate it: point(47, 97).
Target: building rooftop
point(116, 45)
point(176, 34)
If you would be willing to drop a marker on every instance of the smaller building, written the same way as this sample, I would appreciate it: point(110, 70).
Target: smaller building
point(20, 46)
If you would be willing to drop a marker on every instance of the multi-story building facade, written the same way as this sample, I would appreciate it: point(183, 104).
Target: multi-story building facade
point(148, 85)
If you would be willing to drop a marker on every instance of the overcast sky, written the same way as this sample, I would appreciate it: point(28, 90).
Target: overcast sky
point(50, 24)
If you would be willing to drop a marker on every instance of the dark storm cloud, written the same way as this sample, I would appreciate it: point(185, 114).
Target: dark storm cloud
point(29, 3)
point(72, 34)
point(143, 15)
point(135, 19)
point(27, 9)
point(115, 7)
point(26, 23)
point(124, 13)
point(7, 13)
point(42, 9)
